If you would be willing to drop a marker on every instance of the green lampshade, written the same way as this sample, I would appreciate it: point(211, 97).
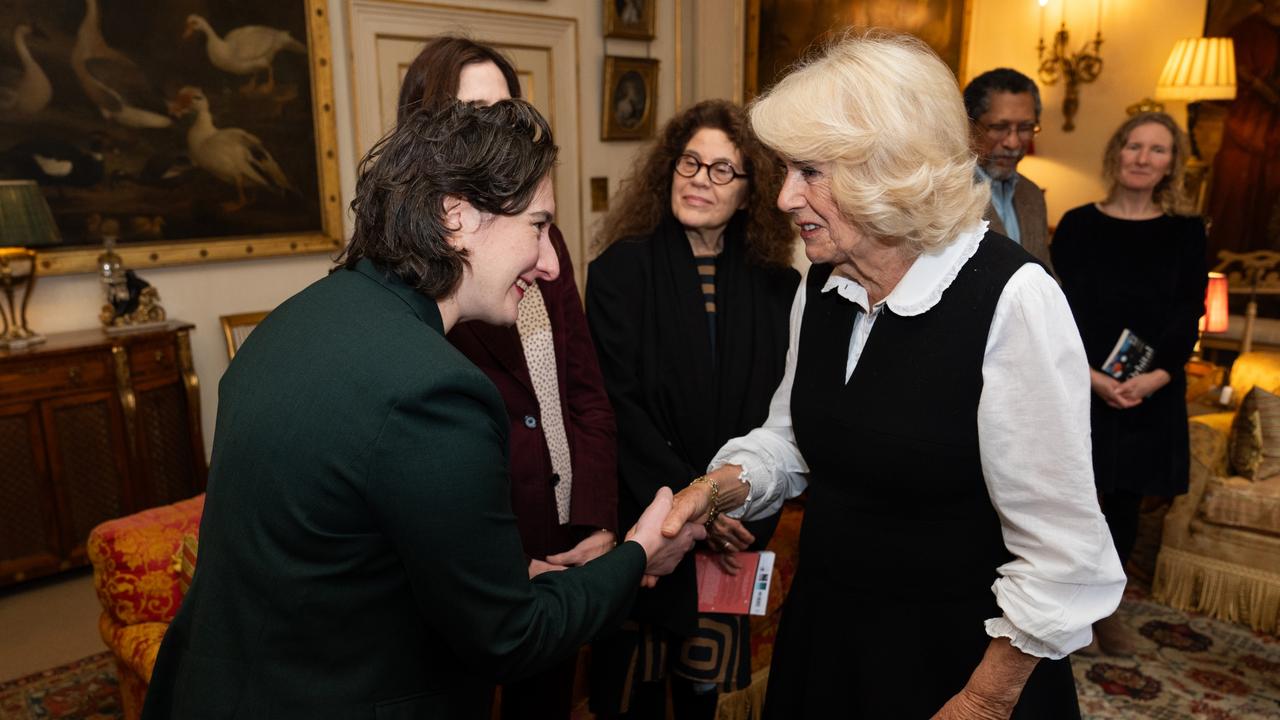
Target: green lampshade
point(25, 220)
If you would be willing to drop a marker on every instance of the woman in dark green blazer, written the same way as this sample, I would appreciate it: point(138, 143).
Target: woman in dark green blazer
point(358, 553)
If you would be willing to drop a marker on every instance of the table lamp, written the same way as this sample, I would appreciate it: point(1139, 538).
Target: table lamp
point(1215, 318)
point(25, 223)
point(1202, 68)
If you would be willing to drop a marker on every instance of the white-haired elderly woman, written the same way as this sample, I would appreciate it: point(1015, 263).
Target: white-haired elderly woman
point(935, 404)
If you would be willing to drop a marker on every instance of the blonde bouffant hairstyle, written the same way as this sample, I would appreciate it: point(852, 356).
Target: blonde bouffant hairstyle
point(888, 116)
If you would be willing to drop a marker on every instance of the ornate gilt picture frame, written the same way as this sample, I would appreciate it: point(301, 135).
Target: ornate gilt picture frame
point(630, 93)
point(630, 19)
point(192, 131)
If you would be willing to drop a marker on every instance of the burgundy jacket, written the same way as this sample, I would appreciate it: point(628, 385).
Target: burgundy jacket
point(588, 418)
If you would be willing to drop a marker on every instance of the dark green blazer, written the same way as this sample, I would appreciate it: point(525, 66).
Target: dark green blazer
point(358, 553)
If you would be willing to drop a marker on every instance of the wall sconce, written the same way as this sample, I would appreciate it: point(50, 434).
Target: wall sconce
point(1073, 68)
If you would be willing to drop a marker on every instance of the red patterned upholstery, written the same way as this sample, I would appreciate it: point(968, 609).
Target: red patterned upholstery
point(136, 573)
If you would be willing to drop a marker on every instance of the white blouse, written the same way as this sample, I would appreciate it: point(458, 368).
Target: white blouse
point(1034, 443)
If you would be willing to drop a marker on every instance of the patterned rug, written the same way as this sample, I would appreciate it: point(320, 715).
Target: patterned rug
point(82, 690)
point(1186, 666)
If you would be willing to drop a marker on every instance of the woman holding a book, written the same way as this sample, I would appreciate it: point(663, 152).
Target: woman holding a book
point(935, 405)
point(1133, 269)
point(688, 305)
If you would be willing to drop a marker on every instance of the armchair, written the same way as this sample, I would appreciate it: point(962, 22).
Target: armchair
point(138, 574)
point(1220, 551)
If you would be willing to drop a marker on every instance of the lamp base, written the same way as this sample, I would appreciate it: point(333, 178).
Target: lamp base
point(21, 343)
point(17, 280)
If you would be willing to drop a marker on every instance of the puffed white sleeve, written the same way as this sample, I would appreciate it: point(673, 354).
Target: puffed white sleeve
point(1034, 440)
point(771, 461)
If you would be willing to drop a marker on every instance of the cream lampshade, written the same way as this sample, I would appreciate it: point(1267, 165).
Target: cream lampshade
point(1202, 68)
point(25, 222)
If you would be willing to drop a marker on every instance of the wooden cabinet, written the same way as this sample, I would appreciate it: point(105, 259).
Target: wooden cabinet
point(92, 427)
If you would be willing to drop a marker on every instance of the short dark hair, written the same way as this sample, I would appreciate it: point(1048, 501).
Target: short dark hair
point(432, 78)
point(977, 94)
point(493, 157)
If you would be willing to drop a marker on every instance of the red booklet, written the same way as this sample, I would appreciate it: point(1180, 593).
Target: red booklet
point(741, 594)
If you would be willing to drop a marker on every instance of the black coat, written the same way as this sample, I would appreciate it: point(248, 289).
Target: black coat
point(1148, 276)
point(677, 404)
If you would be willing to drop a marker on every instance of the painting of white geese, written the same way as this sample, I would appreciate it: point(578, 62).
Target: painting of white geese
point(246, 50)
point(26, 91)
point(232, 155)
point(112, 81)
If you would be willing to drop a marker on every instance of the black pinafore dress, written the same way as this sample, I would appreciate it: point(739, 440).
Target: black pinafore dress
point(900, 542)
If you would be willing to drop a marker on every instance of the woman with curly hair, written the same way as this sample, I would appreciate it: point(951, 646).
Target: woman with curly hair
point(1136, 261)
point(688, 304)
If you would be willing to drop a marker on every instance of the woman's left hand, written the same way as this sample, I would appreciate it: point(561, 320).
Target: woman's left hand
point(1143, 386)
point(590, 548)
point(726, 537)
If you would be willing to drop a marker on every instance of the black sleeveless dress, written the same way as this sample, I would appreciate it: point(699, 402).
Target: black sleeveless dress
point(900, 542)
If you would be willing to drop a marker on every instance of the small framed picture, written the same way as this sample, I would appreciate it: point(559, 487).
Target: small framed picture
point(632, 19)
point(630, 94)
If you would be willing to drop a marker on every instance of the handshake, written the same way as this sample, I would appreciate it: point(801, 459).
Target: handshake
point(668, 529)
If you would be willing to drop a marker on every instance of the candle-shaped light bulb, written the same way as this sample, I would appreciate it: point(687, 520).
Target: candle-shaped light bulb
point(1099, 18)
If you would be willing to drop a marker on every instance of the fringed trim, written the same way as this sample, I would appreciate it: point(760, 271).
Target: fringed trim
point(1223, 590)
point(747, 703)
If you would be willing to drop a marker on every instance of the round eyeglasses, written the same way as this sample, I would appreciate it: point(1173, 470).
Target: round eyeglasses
point(720, 172)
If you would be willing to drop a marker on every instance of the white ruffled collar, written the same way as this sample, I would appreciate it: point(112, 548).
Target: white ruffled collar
point(924, 282)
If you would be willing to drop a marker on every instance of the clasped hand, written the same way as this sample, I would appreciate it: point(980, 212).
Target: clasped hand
point(1131, 392)
point(663, 549)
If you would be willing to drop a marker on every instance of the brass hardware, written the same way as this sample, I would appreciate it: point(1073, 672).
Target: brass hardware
point(73, 374)
point(124, 387)
point(1074, 69)
point(159, 356)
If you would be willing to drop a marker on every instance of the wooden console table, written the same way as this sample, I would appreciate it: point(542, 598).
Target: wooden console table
point(92, 427)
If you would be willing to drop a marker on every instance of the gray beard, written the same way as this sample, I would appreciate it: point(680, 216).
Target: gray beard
point(995, 172)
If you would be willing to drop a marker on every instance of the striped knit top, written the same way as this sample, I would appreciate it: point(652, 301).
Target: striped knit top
point(707, 275)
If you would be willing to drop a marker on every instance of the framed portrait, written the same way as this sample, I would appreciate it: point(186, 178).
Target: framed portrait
point(630, 93)
point(188, 130)
point(778, 35)
point(631, 19)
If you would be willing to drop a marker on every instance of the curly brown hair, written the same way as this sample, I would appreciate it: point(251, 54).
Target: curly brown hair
point(645, 197)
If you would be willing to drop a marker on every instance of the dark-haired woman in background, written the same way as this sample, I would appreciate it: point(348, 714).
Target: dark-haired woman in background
point(1135, 261)
point(563, 467)
point(688, 303)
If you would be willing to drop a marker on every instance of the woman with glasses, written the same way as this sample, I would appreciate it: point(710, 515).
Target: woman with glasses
point(688, 303)
point(1136, 262)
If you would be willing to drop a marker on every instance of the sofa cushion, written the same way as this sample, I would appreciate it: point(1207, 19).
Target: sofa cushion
point(1258, 368)
point(133, 561)
point(187, 561)
point(136, 646)
point(1254, 445)
point(1240, 503)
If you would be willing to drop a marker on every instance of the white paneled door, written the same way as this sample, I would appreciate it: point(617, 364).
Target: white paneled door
point(386, 36)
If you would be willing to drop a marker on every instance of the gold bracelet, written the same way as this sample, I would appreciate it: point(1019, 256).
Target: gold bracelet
point(715, 498)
